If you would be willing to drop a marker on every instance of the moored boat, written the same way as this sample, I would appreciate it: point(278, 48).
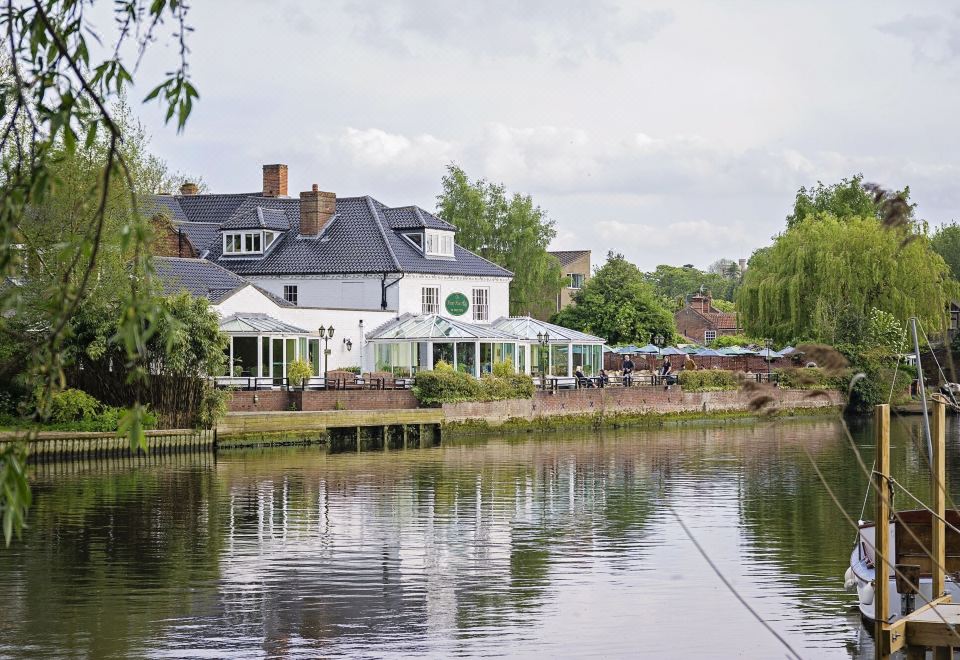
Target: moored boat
point(909, 549)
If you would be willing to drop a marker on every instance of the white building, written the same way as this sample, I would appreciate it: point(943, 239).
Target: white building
point(278, 269)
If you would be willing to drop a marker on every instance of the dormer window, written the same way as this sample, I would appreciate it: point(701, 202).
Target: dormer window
point(243, 242)
point(438, 243)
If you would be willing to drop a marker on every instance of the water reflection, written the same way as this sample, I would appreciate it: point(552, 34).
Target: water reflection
point(526, 546)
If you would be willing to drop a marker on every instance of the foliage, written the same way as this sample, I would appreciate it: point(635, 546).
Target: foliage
point(72, 405)
point(946, 242)
point(618, 305)
point(885, 333)
point(503, 369)
point(809, 378)
point(351, 370)
point(56, 105)
point(707, 380)
point(298, 372)
point(826, 274)
point(725, 341)
point(445, 385)
point(676, 283)
point(724, 305)
point(725, 267)
point(848, 199)
point(509, 230)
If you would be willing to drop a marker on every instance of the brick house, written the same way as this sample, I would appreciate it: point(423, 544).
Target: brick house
point(701, 322)
point(575, 265)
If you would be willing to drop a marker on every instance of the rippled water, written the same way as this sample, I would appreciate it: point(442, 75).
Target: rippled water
point(560, 545)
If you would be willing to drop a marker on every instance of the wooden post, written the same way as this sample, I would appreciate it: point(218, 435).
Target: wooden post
point(404, 436)
point(423, 435)
point(358, 438)
point(386, 437)
point(881, 599)
point(938, 487)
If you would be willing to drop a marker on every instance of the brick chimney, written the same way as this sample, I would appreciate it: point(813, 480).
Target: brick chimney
point(189, 188)
point(316, 209)
point(275, 180)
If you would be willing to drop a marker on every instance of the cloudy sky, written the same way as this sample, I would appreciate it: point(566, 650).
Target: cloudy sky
point(674, 132)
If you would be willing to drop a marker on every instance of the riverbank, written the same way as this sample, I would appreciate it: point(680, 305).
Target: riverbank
point(545, 411)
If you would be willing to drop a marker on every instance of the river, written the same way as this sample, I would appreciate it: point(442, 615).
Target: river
point(523, 546)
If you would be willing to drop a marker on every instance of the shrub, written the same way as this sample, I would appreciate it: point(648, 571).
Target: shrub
point(213, 406)
point(810, 378)
point(444, 385)
point(503, 369)
point(72, 405)
point(352, 370)
point(298, 372)
point(706, 380)
point(725, 341)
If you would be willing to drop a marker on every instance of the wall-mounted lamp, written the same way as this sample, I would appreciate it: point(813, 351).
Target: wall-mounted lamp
point(348, 344)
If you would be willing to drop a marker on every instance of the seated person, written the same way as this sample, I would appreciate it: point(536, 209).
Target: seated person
point(628, 367)
point(603, 379)
point(582, 380)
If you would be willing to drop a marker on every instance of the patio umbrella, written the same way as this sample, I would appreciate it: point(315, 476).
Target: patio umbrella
point(627, 350)
point(672, 350)
point(769, 354)
point(787, 350)
point(708, 352)
point(649, 348)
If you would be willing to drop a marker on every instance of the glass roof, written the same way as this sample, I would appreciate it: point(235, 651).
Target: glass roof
point(527, 328)
point(258, 323)
point(434, 326)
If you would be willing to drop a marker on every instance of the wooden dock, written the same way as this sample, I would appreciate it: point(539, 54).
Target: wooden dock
point(934, 625)
point(76, 445)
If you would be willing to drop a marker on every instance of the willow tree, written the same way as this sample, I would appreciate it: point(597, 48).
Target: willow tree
point(825, 274)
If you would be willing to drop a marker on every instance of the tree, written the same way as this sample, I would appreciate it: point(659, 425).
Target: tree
point(510, 231)
point(821, 279)
point(946, 242)
point(848, 199)
point(56, 98)
point(727, 268)
point(618, 305)
point(676, 283)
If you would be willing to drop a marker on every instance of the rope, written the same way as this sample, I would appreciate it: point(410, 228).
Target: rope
point(943, 375)
point(922, 505)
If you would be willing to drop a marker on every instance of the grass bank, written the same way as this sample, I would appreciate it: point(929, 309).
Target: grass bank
point(555, 423)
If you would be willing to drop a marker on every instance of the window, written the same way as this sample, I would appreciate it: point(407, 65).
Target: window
point(416, 239)
point(575, 280)
point(290, 293)
point(243, 243)
point(709, 336)
point(439, 243)
point(430, 297)
point(481, 304)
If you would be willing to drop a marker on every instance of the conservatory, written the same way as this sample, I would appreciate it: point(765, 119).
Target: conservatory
point(263, 347)
point(553, 349)
point(413, 343)
point(409, 344)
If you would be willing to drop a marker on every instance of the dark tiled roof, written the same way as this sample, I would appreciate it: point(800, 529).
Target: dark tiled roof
point(413, 217)
point(258, 218)
point(202, 235)
point(166, 204)
point(360, 238)
point(567, 257)
point(198, 277)
point(203, 278)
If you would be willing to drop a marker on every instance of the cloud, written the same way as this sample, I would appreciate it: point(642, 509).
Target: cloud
point(934, 39)
point(565, 31)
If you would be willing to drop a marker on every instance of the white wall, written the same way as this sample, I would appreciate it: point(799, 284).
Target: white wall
point(340, 292)
point(411, 293)
point(346, 323)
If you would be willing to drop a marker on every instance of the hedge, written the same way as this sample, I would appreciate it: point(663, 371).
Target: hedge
point(811, 378)
point(444, 385)
point(708, 380)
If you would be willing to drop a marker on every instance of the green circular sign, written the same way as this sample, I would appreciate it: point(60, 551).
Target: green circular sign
point(457, 304)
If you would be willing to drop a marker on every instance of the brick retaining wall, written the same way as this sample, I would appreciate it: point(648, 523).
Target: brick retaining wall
point(639, 400)
point(311, 400)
